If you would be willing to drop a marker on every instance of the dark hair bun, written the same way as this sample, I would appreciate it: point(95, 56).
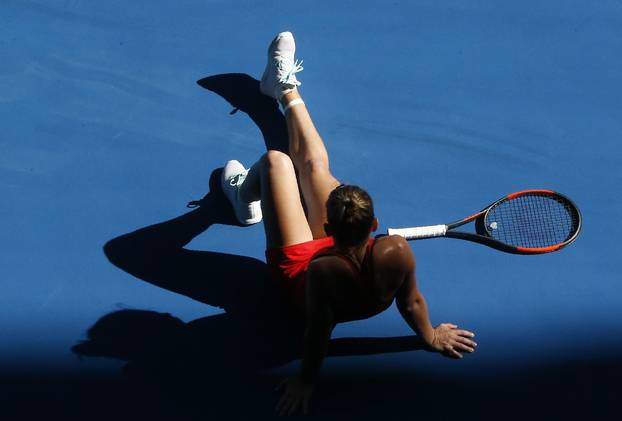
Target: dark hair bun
point(350, 212)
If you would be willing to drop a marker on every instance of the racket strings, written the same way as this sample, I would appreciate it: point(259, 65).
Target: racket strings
point(532, 220)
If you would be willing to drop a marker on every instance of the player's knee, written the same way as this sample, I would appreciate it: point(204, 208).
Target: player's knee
point(276, 161)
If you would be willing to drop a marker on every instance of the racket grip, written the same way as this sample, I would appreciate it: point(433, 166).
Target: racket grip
point(416, 233)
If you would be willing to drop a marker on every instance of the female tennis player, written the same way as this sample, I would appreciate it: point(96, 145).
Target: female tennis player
point(325, 260)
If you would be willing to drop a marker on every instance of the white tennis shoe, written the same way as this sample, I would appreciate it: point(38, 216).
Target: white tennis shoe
point(233, 175)
point(279, 77)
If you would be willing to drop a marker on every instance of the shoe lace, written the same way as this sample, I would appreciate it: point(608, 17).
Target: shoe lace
point(287, 69)
point(238, 179)
point(235, 181)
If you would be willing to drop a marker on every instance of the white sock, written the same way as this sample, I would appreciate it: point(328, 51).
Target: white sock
point(292, 103)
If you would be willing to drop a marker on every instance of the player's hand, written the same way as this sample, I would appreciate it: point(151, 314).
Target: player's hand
point(295, 396)
point(451, 341)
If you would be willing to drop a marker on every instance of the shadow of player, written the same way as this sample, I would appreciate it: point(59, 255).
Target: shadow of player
point(219, 358)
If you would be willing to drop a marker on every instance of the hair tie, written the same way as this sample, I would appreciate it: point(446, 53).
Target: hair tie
point(347, 207)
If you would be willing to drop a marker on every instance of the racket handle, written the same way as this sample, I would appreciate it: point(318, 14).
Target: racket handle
point(416, 233)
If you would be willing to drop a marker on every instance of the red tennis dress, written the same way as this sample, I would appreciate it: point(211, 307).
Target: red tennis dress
point(289, 265)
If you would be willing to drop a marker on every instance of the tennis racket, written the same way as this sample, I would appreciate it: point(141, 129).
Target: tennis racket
point(525, 222)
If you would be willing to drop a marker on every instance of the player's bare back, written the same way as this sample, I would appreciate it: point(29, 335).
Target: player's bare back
point(357, 294)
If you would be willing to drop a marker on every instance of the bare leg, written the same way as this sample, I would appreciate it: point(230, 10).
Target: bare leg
point(273, 180)
point(310, 158)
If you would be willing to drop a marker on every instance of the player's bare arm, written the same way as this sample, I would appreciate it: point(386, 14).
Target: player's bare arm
point(320, 322)
point(445, 338)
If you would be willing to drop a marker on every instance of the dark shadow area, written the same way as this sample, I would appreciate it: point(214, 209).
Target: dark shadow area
point(224, 357)
point(220, 357)
point(242, 92)
point(223, 366)
point(222, 362)
point(572, 390)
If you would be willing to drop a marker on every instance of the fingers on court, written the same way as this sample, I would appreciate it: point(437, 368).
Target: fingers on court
point(288, 405)
point(280, 405)
point(464, 347)
point(293, 408)
point(450, 351)
point(284, 402)
point(467, 342)
point(465, 333)
point(454, 354)
point(285, 405)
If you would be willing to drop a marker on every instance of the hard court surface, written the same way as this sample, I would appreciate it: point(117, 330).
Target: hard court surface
point(437, 108)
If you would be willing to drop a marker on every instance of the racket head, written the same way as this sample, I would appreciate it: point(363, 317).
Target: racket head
point(531, 221)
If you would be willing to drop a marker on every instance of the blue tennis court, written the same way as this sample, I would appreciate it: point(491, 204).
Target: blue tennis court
point(120, 302)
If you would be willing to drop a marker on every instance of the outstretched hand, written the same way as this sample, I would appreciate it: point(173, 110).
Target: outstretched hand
point(296, 395)
point(451, 341)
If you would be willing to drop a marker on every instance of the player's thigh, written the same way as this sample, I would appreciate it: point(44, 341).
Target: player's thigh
point(316, 182)
point(284, 219)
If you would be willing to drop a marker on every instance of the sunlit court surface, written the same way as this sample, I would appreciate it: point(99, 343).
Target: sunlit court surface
point(119, 302)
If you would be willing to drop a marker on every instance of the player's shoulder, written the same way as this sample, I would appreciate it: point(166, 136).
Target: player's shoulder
point(327, 266)
point(392, 244)
point(394, 250)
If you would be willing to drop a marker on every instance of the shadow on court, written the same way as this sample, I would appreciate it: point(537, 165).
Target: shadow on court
point(168, 388)
point(242, 92)
point(221, 366)
point(218, 360)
